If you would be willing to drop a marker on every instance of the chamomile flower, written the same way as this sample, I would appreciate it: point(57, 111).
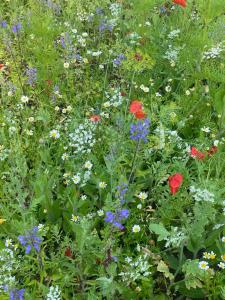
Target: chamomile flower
point(74, 218)
point(65, 156)
point(41, 227)
point(83, 197)
point(212, 255)
point(8, 243)
point(24, 99)
point(203, 265)
point(54, 134)
point(88, 165)
point(100, 212)
point(206, 255)
point(205, 129)
point(223, 257)
point(221, 265)
point(144, 88)
point(102, 185)
point(168, 88)
point(136, 228)
point(76, 178)
point(223, 239)
point(66, 65)
point(142, 195)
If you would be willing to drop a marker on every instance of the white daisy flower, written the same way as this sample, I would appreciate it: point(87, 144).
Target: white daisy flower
point(54, 134)
point(203, 265)
point(102, 185)
point(142, 195)
point(136, 228)
point(24, 99)
point(76, 179)
point(88, 165)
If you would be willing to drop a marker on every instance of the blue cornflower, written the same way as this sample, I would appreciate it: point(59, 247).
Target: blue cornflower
point(16, 28)
point(16, 294)
point(117, 217)
point(31, 73)
point(140, 130)
point(30, 240)
point(3, 24)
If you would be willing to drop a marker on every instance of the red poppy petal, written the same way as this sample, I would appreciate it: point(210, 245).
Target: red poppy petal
point(135, 106)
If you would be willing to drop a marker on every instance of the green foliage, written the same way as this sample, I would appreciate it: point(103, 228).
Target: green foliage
point(110, 226)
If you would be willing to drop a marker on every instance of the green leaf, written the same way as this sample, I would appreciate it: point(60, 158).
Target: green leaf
point(160, 230)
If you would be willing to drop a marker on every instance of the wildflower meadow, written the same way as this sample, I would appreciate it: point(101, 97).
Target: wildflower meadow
point(112, 157)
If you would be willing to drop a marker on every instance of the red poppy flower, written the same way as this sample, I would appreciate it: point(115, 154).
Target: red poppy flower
point(197, 154)
point(175, 182)
point(140, 114)
point(1, 66)
point(135, 106)
point(68, 252)
point(95, 118)
point(212, 150)
point(180, 2)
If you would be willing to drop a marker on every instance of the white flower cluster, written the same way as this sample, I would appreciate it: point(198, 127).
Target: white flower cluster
point(94, 53)
point(83, 139)
point(82, 178)
point(115, 99)
point(172, 54)
point(171, 137)
point(54, 293)
point(7, 263)
point(175, 238)
point(115, 9)
point(4, 152)
point(134, 38)
point(202, 194)
point(135, 269)
point(214, 52)
point(174, 33)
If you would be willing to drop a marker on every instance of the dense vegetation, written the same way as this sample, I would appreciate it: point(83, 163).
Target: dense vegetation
point(112, 159)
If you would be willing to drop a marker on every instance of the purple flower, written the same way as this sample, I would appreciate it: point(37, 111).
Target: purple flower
point(117, 217)
point(16, 28)
point(123, 214)
point(16, 294)
point(118, 60)
point(30, 240)
point(109, 217)
point(140, 130)
point(121, 190)
point(99, 11)
point(31, 73)
point(104, 26)
point(3, 24)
